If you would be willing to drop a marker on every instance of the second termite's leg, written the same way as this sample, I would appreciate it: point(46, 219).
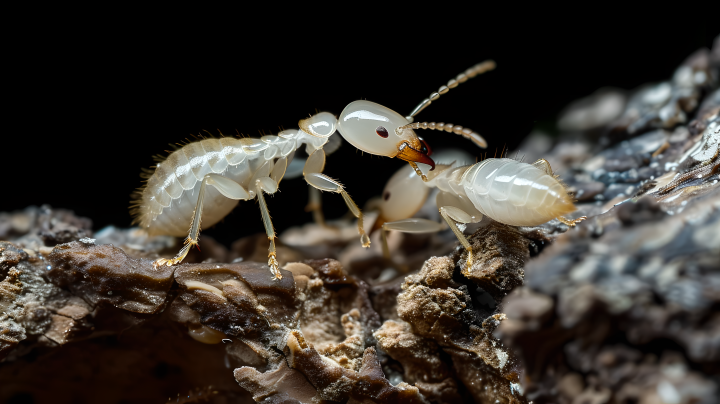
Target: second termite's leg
point(272, 254)
point(412, 225)
point(446, 212)
point(544, 165)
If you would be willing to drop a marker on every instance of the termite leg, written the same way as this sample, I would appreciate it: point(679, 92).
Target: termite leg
point(364, 239)
point(385, 248)
point(272, 255)
point(193, 234)
point(452, 216)
point(229, 189)
point(315, 205)
point(412, 225)
point(571, 222)
point(315, 178)
point(544, 165)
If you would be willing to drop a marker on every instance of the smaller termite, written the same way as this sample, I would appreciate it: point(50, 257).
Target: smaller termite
point(506, 190)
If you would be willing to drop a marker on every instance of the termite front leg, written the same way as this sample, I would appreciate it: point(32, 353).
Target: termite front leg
point(314, 176)
point(453, 216)
point(225, 186)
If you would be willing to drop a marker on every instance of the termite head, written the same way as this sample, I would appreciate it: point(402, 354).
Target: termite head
point(375, 129)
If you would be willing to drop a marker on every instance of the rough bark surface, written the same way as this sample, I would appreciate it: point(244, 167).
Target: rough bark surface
point(621, 309)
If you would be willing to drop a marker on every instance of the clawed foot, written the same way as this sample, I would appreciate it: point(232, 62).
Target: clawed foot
point(178, 258)
point(273, 264)
point(160, 262)
point(572, 222)
point(166, 262)
point(365, 240)
point(468, 263)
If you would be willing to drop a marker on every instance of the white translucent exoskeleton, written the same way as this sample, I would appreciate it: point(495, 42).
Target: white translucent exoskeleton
point(205, 180)
point(506, 190)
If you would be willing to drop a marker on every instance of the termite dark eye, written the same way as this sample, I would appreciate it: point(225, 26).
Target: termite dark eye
point(386, 196)
point(425, 147)
point(381, 131)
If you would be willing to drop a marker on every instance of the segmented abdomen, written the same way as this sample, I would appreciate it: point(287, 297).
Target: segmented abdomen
point(165, 205)
point(516, 193)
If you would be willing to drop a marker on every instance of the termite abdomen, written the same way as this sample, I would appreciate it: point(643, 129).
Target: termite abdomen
point(515, 193)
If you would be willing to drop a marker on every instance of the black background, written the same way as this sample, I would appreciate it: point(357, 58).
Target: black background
point(90, 102)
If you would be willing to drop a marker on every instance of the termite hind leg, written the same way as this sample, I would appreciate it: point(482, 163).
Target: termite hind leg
point(193, 234)
point(571, 222)
point(453, 216)
point(229, 189)
point(189, 243)
point(544, 165)
point(272, 254)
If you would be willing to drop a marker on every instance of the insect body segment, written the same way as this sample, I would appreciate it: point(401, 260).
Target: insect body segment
point(516, 193)
point(506, 190)
point(203, 182)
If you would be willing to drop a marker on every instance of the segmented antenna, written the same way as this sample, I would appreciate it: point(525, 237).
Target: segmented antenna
point(479, 68)
point(448, 127)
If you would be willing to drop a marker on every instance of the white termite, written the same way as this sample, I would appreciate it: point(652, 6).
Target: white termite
point(177, 192)
point(203, 181)
point(506, 190)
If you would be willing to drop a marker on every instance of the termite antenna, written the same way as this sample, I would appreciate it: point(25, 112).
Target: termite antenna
point(467, 133)
point(479, 68)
